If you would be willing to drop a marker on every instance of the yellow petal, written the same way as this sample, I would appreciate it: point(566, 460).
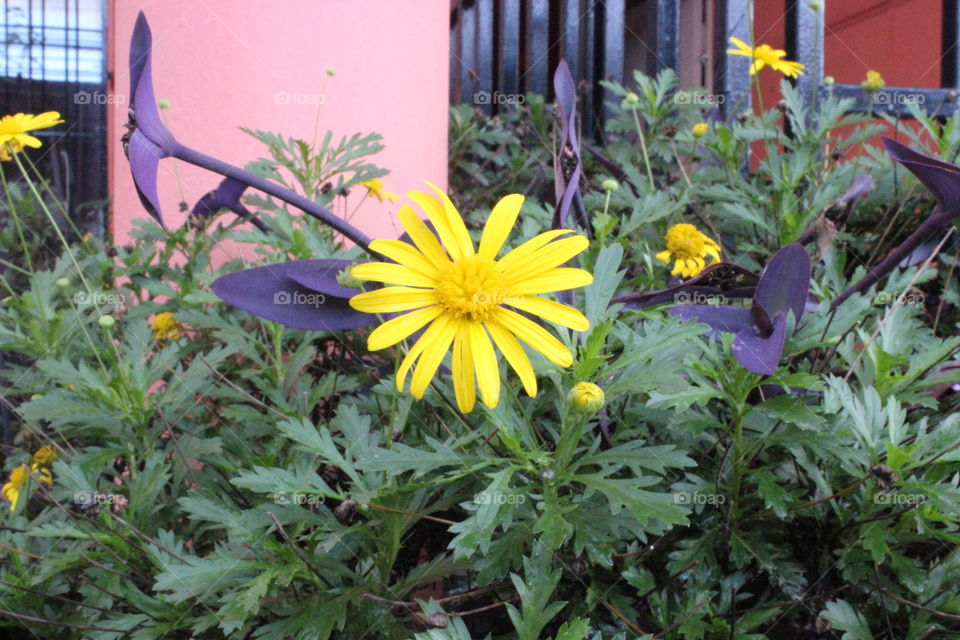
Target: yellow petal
point(396, 329)
point(29, 141)
point(741, 44)
point(535, 335)
point(406, 254)
point(485, 363)
point(391, 274)
point(499, 225)
point(553, 280)
point(433, 352)
point(515, 355)
point(455, 221)
point(422, 237)
point(664, 256)
point(418, 347)
point(546, 258)
point(463, 385)
point(391, 299)
point(552, 311)
point(528, 247)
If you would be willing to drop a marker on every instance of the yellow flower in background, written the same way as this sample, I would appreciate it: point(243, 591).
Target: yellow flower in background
point(19, 477)
point(375, 189)
point(765, 55)
point(688, 247)
point(700, 129)
point(165, 327)
point(586, 397)
point(13, 131)
point(45, 456)
point(873, 82)
point(462, 294)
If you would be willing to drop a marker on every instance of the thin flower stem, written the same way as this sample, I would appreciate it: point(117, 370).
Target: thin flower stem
point(308, 206)
point(643, 148)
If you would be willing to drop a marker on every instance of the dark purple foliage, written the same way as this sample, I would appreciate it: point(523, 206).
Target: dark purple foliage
point(303, 294)
point(568, 167)
point(761, 329)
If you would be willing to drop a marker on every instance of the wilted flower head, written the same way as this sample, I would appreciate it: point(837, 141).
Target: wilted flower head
point(461, 294)
point(375, 189)
point(688, 247)
point(13, 131)
point(19, 477)
point(765, 55)
point(165, 327)
point(873, 82)
point(44, 456)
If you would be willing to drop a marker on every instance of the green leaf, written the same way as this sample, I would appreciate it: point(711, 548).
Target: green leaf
point(844, 618)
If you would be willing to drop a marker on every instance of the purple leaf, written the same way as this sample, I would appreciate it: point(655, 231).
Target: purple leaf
point(321, 276)
point(758, 353)
point(785, 282)
point(941, 178)
point(719, 317)
point(862, 185)
point(275, 292)
point(144, 157)
point(721, 280)
point(569, 164)
point(148, 140)
point(225, 196)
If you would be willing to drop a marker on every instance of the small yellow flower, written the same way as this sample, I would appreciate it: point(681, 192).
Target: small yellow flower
point(45, 456)
point(688, 247)
point(766, 55)
point(165, 327)
point(13, 131)
point(586, 397)
point(375, 189)
point(18, 480)
point(700, 129)
point(873, 82)
point(462, 295)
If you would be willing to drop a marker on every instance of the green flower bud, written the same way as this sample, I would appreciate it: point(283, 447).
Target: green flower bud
point(331, 72)
point(163, 103)
point(63, 283)
point(815, 5)
point(610, 184)
point(346, 279)
point(585, 397)
point(632, 99)
point(828, 81)
point(106, 321)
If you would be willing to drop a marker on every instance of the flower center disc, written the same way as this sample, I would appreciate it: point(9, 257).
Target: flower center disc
point(471, 288)
point(684, 242)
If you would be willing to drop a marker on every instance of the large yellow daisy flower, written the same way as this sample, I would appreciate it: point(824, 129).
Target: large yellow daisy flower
point(463, 294)
point(766, 55)
point(13, 131)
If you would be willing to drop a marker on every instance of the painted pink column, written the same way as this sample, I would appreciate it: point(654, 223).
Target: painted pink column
point(262, 64)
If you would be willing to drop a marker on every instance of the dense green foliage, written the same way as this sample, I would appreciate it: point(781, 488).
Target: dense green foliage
point(251, 481)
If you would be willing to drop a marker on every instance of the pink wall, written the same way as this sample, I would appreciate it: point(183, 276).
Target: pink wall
point(223, 63)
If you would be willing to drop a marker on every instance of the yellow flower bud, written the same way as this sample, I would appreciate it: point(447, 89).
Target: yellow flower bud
point(873, 82)
point(585, 397)
point(700, 129)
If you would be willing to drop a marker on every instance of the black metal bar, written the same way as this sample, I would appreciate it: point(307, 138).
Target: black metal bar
point(508, 72)
point(613, 40)
point(895, 100)
point(805, 45)
point(668, 34)
point(732, 73)
point(484, 58)
point(468, 36)
point(950, 64)
point(538, 29)
point(571, 35)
